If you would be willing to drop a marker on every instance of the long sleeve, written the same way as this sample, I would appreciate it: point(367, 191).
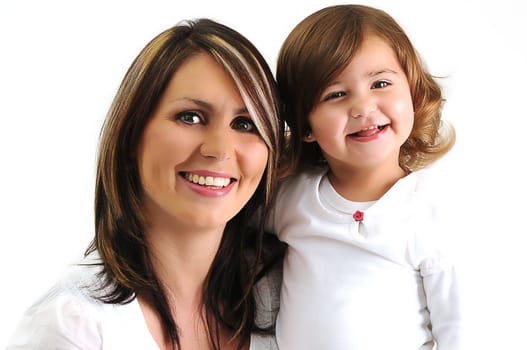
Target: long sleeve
point(436, 259)
point(445, 304)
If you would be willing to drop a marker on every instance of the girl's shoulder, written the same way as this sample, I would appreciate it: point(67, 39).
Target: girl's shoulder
point(301, 181)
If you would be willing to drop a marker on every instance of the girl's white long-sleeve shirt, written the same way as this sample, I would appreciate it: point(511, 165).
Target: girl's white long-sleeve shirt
point(381, 283)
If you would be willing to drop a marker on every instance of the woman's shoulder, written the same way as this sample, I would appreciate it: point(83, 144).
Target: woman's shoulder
point(267, 289)
point(267, 298)
point(66, 315)
point(76, 289)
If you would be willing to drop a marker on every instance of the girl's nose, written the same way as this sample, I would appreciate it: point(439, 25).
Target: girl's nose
point(361, 106)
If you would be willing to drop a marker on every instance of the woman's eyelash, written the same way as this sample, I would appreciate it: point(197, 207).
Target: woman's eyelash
point(189, 117)
point(245, 124)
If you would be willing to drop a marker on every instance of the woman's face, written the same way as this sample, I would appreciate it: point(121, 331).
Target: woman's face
point(200, 158)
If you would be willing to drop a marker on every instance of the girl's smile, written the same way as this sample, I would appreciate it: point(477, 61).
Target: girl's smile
point(368, 133)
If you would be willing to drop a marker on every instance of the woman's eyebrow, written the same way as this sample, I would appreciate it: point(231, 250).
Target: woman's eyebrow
point(209, 106)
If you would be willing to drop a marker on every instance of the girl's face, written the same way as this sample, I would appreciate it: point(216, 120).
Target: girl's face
point(200, 157)
point(366, 113)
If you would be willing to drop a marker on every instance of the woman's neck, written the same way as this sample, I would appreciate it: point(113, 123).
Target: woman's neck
point(182, 258)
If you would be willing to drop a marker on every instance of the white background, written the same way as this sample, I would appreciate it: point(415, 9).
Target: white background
point(61, 63)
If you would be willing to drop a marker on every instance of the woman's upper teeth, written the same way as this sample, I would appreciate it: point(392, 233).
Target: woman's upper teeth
point(208, 180)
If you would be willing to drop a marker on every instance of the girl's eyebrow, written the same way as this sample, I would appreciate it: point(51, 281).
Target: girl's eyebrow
point(380, 71)
point(369, 74)
point(208, 106)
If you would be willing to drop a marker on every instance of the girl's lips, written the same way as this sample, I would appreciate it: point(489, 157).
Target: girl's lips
point(368, 133)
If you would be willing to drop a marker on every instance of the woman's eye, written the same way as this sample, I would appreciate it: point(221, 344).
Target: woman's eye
point(380, 84)
point(189, 117)
point(244, 124)
point(334, 95)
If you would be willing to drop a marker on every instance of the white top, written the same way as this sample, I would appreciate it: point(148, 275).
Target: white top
point(68, 317)
point(381, 283)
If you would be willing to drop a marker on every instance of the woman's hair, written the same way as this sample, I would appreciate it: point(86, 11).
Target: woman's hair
point(319, 48)
point(120, 220)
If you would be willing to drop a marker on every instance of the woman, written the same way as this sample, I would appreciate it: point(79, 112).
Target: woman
point(187, 153)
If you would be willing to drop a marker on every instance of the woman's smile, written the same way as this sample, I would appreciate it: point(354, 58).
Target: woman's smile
point(209, 181)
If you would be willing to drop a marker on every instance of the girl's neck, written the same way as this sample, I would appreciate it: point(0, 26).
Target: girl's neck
point(362, 185)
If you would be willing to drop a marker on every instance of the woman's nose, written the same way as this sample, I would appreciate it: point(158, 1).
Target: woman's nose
point(216, 144)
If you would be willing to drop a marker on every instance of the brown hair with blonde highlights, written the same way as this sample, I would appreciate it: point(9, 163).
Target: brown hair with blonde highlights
point(120, 221)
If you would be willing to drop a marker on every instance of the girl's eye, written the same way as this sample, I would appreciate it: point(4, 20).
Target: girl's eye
point(380, 84)
point(189, 117)
point(334, 95)
point(244, 124)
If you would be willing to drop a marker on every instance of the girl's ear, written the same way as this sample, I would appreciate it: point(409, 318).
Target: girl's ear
point(308, 137)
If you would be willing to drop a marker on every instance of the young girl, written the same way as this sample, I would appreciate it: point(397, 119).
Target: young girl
point(362, 269)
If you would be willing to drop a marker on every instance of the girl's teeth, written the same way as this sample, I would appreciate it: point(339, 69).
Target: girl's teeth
point(208, 180)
